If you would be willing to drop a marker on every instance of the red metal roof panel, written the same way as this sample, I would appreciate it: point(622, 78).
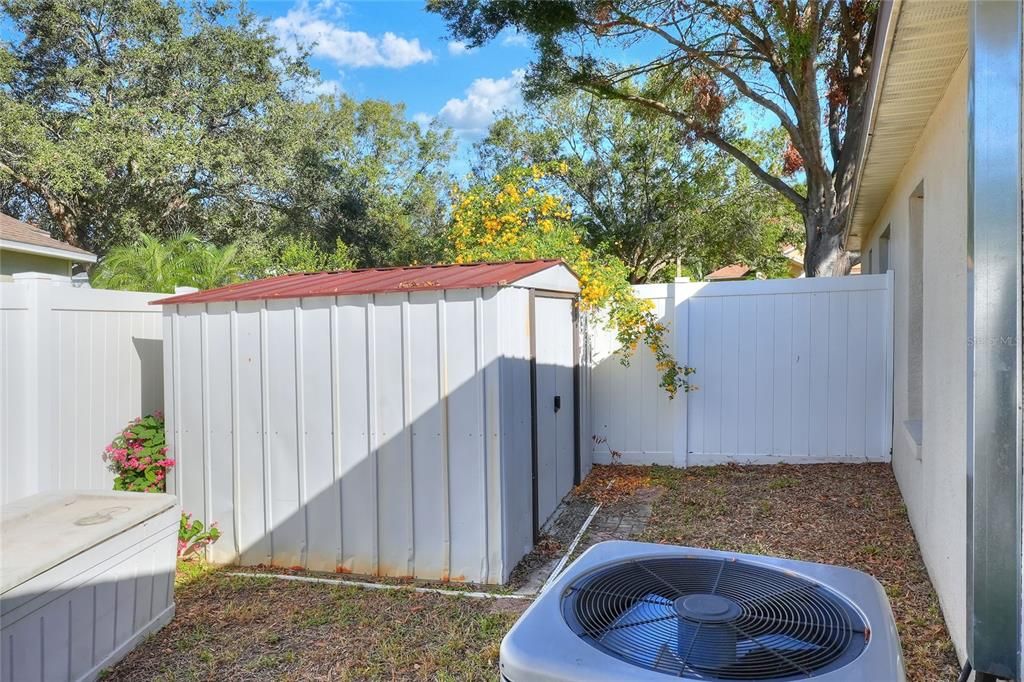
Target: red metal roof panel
point(370, 281)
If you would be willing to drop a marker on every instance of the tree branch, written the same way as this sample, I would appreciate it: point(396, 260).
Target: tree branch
point(710, 136)
point(741, 85)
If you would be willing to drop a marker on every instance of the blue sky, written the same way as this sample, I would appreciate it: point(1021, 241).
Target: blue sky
point(398, 51)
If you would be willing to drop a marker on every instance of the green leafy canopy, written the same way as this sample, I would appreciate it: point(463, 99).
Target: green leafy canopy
point(801, 64)
point(124, 117)
point(644, 191)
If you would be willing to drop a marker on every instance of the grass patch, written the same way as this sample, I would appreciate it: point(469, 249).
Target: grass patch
point(261, 628)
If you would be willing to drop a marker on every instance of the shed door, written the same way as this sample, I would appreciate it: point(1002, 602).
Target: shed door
point(555, 409)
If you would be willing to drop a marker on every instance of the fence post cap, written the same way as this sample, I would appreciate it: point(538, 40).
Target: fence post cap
point(30, 276)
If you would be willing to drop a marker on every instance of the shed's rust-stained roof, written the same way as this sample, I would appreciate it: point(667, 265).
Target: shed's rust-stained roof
point(371, 281)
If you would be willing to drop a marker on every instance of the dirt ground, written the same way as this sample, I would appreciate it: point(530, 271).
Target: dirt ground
point(261, 628)
point(844, 514)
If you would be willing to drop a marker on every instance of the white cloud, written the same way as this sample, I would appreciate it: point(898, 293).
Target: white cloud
point(311, 25)
point(485, 96)
point(423, 119)
point(458, 48)
point(326, 87)
point(515, 39)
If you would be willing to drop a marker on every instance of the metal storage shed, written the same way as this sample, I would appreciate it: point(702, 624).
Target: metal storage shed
point(418, 421)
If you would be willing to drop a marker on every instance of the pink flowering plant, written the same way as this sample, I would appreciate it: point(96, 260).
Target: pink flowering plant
point(193, 536)
point(138, 456)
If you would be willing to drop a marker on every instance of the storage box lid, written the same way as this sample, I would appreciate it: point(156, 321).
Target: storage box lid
point(41, 531)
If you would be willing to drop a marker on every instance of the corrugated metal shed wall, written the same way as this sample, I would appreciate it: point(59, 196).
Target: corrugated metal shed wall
point(516, 427)
point(381, 434)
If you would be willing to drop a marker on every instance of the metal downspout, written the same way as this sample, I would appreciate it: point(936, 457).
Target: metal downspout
point(993, 354)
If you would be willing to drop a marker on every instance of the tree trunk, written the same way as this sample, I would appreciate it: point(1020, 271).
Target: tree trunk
point(65, 220)
point(825, 255)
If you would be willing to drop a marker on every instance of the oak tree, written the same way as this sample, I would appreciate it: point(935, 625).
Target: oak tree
point(128, 117)
point(804, 63)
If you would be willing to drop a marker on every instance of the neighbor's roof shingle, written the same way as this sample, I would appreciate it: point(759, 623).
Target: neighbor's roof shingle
point(734, 271)
point(23, 233)
point(371, 281)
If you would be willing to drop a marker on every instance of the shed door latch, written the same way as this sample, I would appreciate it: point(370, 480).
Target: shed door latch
point(558, 403)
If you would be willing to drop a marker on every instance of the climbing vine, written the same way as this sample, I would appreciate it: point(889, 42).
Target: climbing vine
point(512, 217)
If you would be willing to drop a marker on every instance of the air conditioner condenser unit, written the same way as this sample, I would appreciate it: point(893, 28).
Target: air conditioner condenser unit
point(638, 611)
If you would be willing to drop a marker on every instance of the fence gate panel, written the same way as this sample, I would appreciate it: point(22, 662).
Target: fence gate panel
point(787, 371)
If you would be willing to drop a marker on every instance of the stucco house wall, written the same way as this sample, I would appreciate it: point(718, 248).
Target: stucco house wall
point(13, 262)
point(931, 474)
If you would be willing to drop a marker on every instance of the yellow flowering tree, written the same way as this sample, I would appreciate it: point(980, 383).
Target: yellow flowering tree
point(512, 217)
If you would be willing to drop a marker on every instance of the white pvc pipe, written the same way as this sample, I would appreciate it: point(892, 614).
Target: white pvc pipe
point(568, 553)
point(381, 586)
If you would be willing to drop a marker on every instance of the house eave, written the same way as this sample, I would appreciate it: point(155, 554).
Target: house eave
point(919, 44)
point(34, 249)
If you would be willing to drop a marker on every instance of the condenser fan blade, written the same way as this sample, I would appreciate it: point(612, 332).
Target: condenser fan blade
point(713, 619)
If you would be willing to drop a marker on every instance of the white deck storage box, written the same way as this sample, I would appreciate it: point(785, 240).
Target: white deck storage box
point(84, 576)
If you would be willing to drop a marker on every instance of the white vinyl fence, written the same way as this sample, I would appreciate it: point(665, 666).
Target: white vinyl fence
point(795, 370)
point(76, 365)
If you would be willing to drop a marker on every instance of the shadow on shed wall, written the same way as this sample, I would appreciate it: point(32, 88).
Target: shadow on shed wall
point(437, 488)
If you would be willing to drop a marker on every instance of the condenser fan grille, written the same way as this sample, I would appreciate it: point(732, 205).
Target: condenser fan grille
point(714, 619)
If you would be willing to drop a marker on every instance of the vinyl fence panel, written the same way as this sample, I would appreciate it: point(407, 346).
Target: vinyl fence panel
point(629, 413)
point(76, 365)
point(788, 370)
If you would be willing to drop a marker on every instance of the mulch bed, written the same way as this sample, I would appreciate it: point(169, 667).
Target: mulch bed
point(611, 485)
point(262, 628)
